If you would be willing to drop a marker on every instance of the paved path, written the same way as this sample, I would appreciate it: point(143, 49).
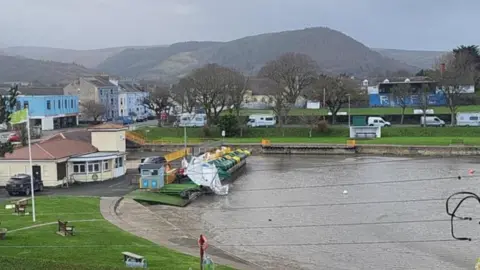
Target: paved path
point(116, 187)
point(134, 218)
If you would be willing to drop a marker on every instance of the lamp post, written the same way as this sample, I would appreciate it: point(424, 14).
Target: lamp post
point(348, 95)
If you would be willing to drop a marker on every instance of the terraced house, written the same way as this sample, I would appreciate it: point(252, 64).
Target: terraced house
point(131, 100)
point(96, 88)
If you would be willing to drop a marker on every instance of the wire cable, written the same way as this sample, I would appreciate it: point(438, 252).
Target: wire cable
point(360, 183)
point(467, 195)
point(337, 243)
point(317, 205)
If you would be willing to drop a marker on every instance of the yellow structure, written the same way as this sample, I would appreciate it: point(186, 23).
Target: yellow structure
point(266, 142)
point(351, 143)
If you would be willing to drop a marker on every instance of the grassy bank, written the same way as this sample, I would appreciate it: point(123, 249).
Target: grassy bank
point(364, 111)
point(337, 135)
point(97, 244)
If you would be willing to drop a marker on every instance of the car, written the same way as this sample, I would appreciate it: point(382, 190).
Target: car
point(20, 184)
point(150, 160)
point(14, 137)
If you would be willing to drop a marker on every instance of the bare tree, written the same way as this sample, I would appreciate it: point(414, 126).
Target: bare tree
point(292, 73)
point(424, 101)
point(337, 90)
point(402, 93)
point(213, 86)
point(184, 94)
point(239, 86)
point(158, 101)
point(311, 121)
point(454, 73)
point(93, 110)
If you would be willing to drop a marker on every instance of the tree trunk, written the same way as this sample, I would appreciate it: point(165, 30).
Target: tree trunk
point(334, 118)
point(403, 115)
point(452, 118)
point(424, 117)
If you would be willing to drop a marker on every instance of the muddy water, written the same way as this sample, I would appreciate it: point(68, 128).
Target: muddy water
point(269, 219)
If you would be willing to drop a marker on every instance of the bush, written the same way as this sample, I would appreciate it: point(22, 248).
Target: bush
point(206, 131)
point(322, 126)
point(229, 123)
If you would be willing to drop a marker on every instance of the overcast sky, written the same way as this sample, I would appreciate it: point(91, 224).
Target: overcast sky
point(87, 24)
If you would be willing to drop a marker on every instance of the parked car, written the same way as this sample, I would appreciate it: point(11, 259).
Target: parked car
point(14, 137)
point(150, 160)
point(431, 121)
point(124, 120)
point(20, 184)
point(374, 121)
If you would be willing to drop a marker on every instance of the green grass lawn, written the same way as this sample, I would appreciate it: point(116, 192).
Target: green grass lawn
point(363, 111)
point(343, 140)
point(96, 244)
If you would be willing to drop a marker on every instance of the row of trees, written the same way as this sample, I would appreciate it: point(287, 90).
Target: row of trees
point(292, 76)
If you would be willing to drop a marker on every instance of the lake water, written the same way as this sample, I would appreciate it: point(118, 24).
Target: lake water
point(290, 212)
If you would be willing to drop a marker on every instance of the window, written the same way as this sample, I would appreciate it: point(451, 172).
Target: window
point(121, 101)
point(111, 91)
point(119, 162)
point(71, 103)
point(474, 118)
point(121, 111)
point(90, 167)
point(25, 104)
point(154, 172)
point(79, 167)
point(49, 105)
point(18, 105)
point(269, 118)
point(105, 165)
point(65, 104)
point(59, 104)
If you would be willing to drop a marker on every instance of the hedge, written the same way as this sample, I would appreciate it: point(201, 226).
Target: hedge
point(158, 133)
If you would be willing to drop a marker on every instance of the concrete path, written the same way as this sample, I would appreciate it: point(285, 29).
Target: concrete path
point(133, 217)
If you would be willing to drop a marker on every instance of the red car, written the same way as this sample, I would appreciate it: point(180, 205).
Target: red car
point(14, 137)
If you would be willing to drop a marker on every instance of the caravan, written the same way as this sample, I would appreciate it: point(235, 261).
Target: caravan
point(468, 119)
point(260, 120)
point(191, 120)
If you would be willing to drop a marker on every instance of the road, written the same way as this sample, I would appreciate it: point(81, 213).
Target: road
point(112, 188)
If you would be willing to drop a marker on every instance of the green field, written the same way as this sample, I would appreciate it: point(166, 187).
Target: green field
point(341, 140)
point(363, 111)
point(334, 135)
point(97, 244)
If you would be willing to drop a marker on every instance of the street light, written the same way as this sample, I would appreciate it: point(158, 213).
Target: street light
point(348, 95)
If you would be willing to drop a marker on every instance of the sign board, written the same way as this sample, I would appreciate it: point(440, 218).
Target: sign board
point(223, 133)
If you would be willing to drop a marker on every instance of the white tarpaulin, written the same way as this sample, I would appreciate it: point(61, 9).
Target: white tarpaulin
point(204, 174)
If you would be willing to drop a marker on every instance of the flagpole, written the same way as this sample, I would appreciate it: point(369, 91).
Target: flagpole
point(32, 186)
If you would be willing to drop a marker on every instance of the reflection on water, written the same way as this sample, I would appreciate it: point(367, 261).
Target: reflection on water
point(281, 225)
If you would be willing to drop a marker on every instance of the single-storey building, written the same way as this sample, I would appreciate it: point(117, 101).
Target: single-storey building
point(96, 154)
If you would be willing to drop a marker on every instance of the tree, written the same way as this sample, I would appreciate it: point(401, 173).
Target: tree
point(184, 94)
point(454, 72)
point(292, 73)
point(92, 109)
point(229, 124)
point(212, 87)
point(471, 56)
point(337, 89)
point(7, 106)
point(310, 120)
point(423, 103)
point(158, 101)
point(237, 91)
point(402, 93)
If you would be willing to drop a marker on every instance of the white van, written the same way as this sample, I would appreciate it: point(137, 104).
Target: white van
point(261, 120)
point(431, 121)
point(378, 122)
point(468, 119)
point(191, 120)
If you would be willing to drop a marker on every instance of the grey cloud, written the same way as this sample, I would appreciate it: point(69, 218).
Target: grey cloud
point(408, 24)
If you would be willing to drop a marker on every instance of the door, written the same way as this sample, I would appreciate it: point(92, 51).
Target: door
point(37, 172)
point(118, 169)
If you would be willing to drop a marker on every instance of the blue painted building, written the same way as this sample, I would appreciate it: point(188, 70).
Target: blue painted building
point(48, 107)
point(131, 101)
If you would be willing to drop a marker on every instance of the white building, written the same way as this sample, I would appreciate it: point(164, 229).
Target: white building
point(131, 99)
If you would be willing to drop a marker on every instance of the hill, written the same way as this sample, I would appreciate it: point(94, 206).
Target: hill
point(47, 72)
point(87, 58)
point(333, 51)
point(421, 59)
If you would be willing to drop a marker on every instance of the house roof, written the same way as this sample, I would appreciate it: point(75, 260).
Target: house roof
point(107, 127)
point(76, 135)
point(100, 81)
point(128, 87)
point(52, 150)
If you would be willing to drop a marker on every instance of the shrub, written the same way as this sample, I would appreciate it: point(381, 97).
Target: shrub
point(322, 126)
point(206, 131)
point(229, 123)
